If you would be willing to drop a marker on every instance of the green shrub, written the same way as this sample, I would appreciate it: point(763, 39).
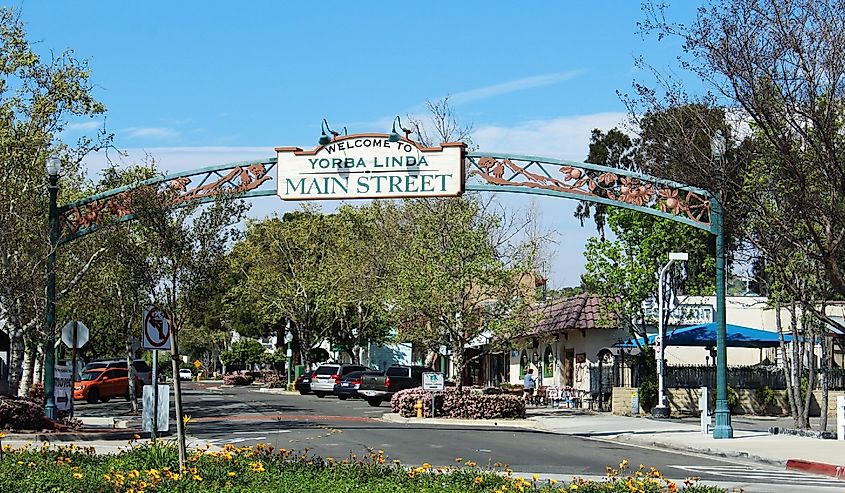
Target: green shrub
point(453, 404)
point(765, 396)
point(648, 393)
point(260, 469)
point(733, 398)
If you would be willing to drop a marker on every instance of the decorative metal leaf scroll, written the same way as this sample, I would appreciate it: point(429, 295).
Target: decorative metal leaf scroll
point(86, 216)
point(605, 183)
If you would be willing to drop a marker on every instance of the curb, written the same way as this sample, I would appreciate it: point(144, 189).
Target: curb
point(125, 434)
point(504, 423)
point(822, 468)
point(265, 390)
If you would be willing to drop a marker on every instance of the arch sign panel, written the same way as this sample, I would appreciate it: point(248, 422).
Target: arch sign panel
point(370, 166)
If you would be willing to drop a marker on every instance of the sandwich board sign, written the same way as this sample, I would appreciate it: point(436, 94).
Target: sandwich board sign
point(156, 329)
point(63, 388)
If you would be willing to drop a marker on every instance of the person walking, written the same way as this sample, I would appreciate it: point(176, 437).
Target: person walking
point(528, 385)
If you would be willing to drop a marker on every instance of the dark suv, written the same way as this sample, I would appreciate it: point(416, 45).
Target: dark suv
point(328, 375)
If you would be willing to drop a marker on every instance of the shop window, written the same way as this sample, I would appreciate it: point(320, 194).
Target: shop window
point(548, 362)
point(523, 364)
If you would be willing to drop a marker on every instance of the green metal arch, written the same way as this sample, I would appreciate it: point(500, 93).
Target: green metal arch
point(486, 172)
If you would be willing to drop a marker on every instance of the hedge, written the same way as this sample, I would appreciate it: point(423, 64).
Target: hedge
point(453, 404)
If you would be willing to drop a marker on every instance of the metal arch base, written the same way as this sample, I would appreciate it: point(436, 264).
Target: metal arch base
point(486, 172)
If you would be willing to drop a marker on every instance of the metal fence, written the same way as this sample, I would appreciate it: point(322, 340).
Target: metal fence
point(741, 377)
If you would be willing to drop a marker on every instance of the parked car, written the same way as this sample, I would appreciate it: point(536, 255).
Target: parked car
point(142, 369)
point(101, 384)
point(303, 383)
point(186, 374)
point(326, 376)
point(349, 383)
point(376, 389)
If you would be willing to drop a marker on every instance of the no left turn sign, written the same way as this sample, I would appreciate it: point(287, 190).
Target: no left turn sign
point(156, 329)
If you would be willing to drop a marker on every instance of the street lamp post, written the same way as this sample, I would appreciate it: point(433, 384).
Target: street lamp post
point(723, 429)
point(661, 410)
point(53, 168)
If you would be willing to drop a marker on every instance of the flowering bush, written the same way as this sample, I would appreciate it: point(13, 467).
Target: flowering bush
point(22, 414)
point(153, 467)
point(238, 379)
point(453, 404)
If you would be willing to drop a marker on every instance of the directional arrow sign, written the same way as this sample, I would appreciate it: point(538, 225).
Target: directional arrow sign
point(81, 334)
point(156, 329)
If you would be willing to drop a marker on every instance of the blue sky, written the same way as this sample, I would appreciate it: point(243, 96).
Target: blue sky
point(201, 83)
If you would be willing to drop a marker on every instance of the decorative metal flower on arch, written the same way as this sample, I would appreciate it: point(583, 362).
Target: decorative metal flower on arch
point(247, 179)
point(525, 174)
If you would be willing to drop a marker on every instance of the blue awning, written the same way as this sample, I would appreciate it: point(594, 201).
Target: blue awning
point(705, 335)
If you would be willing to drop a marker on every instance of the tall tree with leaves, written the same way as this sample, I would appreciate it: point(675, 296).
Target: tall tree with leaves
point(188, 243)
point(37, 97)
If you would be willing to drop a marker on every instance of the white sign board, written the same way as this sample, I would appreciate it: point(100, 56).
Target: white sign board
point(367, 166)
point(163, 408)
point(432, 381)
point(156, 329)
point(62, 388)
point(81, 334)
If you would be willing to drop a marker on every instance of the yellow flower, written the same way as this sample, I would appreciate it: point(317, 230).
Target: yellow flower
point(257, 467)
point(197, 477)
point(573, 487)
point(77, 475)
point(553, 481)
point(623, 464)
point(478, 480)
point(470, 463)
point(231, 474)
point(458, 459)
point(186, 419)
point(2, 435)
point(535, 477)
point(133, 474)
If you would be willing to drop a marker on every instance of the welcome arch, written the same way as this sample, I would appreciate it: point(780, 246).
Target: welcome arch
point(484, 172)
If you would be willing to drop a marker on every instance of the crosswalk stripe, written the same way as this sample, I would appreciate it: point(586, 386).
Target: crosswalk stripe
point(735, 472)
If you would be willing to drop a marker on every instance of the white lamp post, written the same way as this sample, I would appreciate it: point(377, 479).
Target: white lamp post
point(661, 410)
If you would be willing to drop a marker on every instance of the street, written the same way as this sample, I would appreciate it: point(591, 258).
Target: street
point(330, 427)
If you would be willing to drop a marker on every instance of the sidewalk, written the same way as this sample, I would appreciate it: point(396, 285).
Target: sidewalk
point(807, 454)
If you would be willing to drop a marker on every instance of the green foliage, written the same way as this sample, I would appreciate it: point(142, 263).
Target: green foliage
point(733, 398)
point(648, 393)
point(765, 396)
point(624, 271)
point(260, 469)
point(244, 352)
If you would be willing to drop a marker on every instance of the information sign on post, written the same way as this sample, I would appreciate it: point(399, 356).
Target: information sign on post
point(432, 381)
point(156, 330)
point(63, 388)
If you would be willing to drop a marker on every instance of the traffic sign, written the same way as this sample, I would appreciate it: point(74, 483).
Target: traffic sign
point(197, 364)
point(156, 329)
point(81, 334)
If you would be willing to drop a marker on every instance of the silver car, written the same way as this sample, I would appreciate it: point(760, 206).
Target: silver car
point(328, 375)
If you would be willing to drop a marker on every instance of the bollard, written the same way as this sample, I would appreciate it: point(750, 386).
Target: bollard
point(419, 407)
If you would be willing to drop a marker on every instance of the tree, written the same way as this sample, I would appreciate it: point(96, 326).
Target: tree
point(625, 271)
point(456, 273)
point(188, 244)
point(245, 352)
point(776, 65)
point(37, 97)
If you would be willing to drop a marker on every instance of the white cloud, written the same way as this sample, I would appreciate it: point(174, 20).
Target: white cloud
point(82, 126)
point(566, 137)
point(151, 132)
point(512, 86)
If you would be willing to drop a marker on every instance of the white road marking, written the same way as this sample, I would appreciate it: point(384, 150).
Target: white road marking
point(742, 472)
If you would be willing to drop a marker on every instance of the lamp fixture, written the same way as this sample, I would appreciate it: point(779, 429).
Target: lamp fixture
point(394, 136)
point(324, 138)
point(54, 166)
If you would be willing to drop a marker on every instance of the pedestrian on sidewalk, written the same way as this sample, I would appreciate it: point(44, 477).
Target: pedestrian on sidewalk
point(528, 385)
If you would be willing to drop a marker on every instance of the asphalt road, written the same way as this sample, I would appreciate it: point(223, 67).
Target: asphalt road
point(330, 427)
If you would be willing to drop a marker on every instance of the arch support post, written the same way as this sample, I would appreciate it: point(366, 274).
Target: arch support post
point(723, 427)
